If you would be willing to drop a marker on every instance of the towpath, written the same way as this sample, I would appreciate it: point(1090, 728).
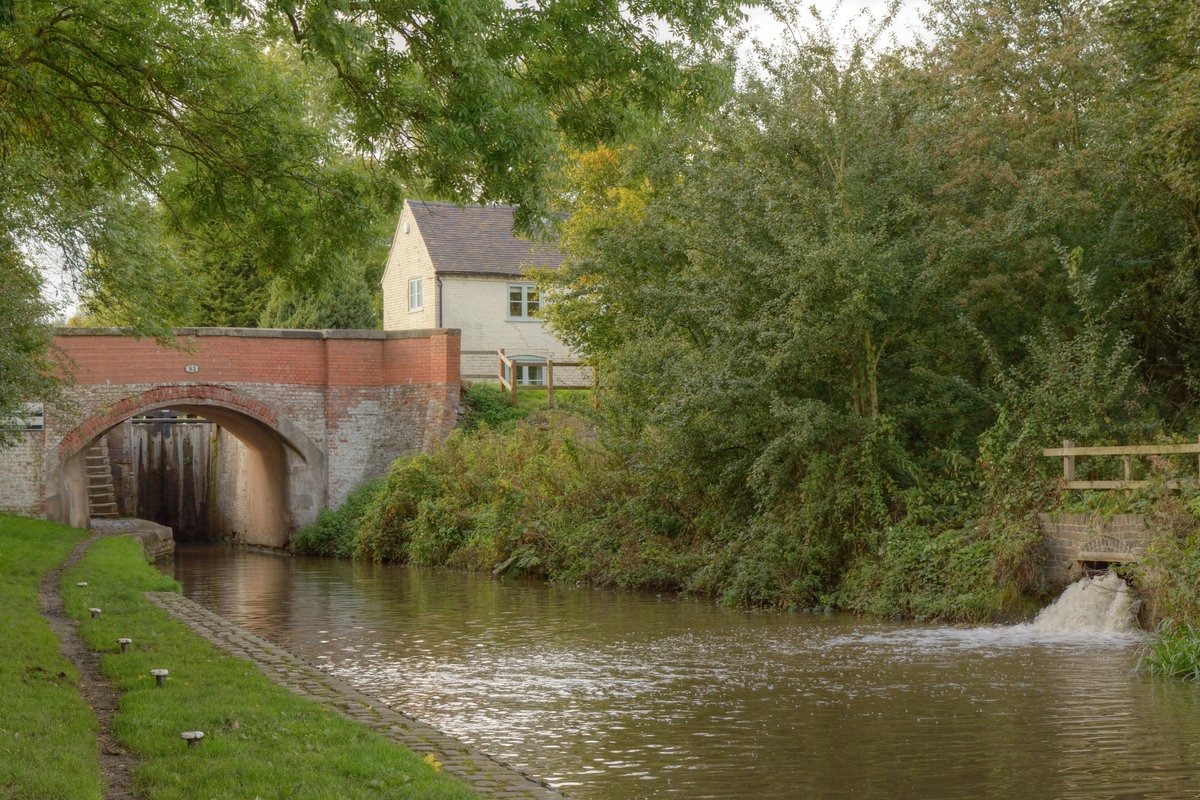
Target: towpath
point(489, 777)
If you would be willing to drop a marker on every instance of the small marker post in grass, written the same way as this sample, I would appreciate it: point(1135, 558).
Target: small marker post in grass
point(124, 644)
point(82, 583)
point(192, 737)
point(160, 676)
point(95, 613)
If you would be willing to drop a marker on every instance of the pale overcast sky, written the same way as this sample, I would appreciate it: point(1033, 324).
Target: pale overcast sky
point(766, 29)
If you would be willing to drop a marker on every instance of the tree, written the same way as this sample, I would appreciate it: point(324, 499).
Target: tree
point(139, 135)
point(806, 308)
point(27, 373)
point(1160, 259)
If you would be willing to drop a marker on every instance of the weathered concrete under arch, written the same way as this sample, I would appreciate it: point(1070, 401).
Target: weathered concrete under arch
point(317, 412)
point(284, 471)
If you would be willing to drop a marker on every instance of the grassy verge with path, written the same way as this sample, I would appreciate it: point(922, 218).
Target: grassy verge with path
point(47, 732)
point(261, 740)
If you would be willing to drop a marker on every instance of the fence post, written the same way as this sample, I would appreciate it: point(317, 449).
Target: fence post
point(1068, 461)
point(549, 382)
point(1128, 460)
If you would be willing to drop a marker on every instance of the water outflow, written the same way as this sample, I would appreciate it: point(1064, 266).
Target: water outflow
point(1103, 604)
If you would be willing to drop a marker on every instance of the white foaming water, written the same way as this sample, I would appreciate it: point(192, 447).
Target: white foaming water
point(1091, 605)
point(1091, 612)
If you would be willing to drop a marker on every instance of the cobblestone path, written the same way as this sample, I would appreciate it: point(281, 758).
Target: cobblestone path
point(488, 776)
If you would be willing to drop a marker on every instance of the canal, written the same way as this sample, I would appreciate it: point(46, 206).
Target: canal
point(612, 696)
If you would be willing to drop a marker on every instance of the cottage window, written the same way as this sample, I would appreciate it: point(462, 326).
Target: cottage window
point(523, 301)
point(531, 370)
point(416, 294)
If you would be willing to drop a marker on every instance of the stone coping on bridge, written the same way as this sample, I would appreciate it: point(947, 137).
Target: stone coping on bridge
point(274, 333)
point(483, 773)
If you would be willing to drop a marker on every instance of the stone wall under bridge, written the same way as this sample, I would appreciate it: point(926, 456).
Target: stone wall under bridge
point(310, 415)
point(1071, 541)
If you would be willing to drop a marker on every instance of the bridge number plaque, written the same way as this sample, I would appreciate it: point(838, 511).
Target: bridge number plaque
point(192, 369)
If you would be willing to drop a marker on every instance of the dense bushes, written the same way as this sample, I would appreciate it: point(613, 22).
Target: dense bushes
point(838, 321)
point(334, 532)
point(541, 497)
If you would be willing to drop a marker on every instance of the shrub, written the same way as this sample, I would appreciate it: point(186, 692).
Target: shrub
point(335, 531)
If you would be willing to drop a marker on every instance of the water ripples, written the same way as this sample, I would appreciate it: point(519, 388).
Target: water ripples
point(616, 697)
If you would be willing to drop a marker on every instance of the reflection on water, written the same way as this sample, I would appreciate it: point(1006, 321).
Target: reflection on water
point(613, 696)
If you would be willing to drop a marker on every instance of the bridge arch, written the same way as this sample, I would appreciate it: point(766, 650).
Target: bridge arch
point(282, 485)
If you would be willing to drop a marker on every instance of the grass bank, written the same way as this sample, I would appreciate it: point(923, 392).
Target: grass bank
point(261, 740)
point(47, 732)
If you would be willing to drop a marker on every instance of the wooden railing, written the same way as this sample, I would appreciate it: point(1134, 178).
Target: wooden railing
point(506, 373)
point(1069, 452)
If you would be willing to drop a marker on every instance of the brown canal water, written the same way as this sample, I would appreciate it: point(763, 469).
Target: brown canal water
point(613, 696)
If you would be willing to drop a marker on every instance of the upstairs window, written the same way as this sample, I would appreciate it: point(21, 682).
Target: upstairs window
point(416, 294)
point(523, 301)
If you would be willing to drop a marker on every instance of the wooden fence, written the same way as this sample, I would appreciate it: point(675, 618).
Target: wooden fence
point(1069, 452)
point(506, 373)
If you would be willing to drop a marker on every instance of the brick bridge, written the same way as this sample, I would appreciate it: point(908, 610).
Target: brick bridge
point(302, 417)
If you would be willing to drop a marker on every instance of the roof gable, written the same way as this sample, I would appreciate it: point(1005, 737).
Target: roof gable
point(477, 240)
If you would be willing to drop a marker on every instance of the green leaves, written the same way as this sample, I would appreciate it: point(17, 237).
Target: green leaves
point(820, 305)
point(27, 372)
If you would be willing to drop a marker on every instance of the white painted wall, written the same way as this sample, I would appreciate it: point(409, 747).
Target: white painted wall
point(478, 306)
point(408, 259)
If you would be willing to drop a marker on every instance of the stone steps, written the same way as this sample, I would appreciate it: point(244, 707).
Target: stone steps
point(102, 496)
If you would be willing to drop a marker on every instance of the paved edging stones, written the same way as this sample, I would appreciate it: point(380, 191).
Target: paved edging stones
point(486, 775)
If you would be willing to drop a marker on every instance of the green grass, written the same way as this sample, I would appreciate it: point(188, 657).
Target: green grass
point(47, 732)
point(1174, 652)
point(261, 741)
point(488, 404)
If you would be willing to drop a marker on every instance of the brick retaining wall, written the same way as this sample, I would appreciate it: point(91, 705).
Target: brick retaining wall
point(1069, 539)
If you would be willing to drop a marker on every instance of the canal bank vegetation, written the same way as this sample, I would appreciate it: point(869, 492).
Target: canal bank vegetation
point(261, 740)
point(839, 319)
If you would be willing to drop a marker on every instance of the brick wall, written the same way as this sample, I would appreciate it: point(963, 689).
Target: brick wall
point(21, 485)
point(408, 259)
point(1068, 539)
point(341, 404)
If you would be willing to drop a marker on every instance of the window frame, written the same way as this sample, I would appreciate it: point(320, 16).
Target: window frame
point(419, 295)
point(525, 289)
point(530, 373)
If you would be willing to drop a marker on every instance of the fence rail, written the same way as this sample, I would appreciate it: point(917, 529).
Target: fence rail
point(506, 373)
point(1069, 452)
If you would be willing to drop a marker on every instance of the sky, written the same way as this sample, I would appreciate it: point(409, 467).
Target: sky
point(847, 15)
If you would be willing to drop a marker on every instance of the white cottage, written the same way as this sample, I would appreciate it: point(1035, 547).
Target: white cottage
point(461, 267)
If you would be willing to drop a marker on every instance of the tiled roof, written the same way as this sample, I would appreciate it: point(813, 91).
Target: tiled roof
point(478, 240)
